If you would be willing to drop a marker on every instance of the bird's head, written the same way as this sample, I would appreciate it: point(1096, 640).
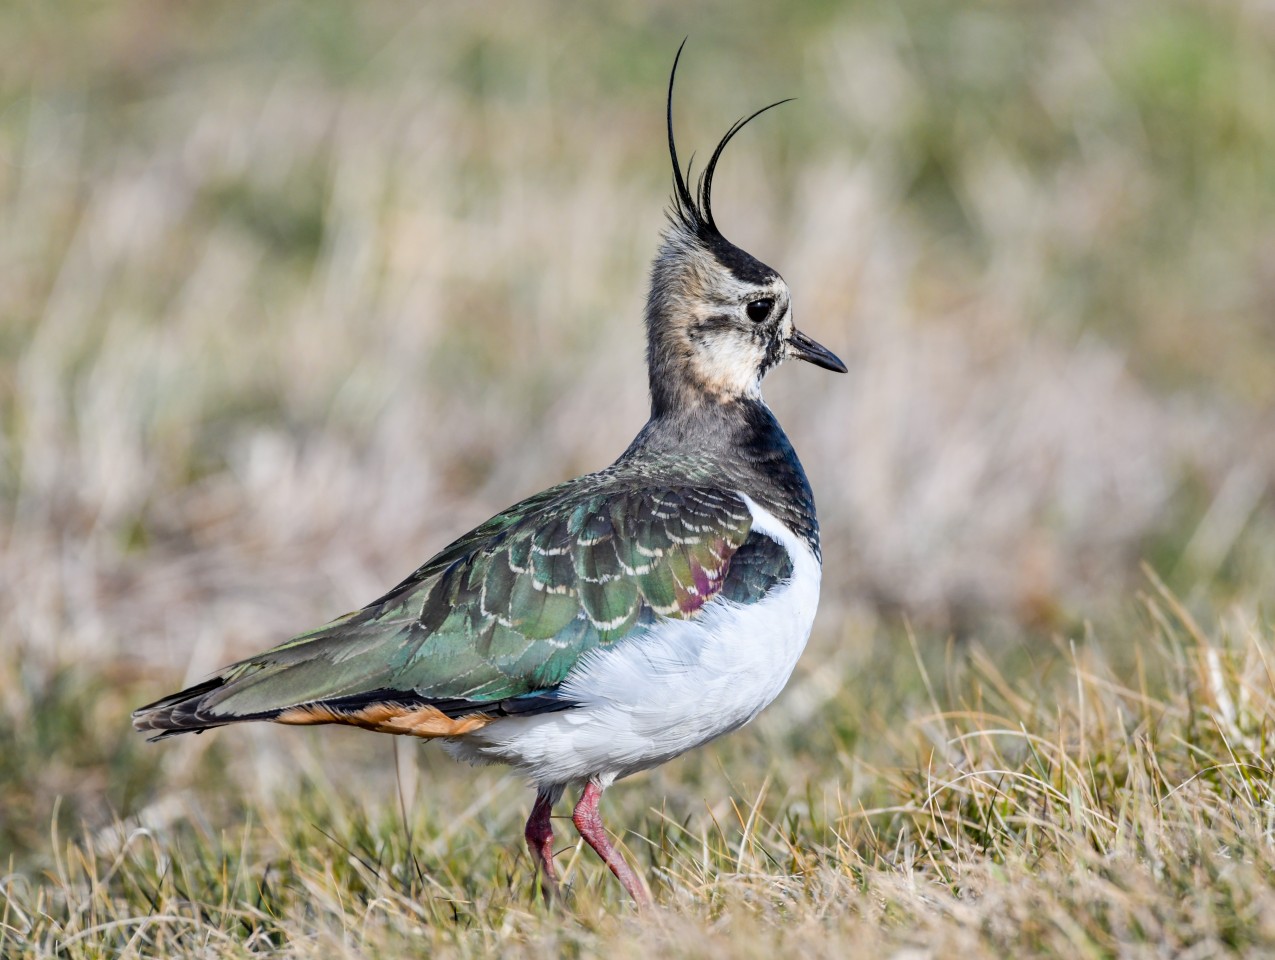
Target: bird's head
point(717, 318)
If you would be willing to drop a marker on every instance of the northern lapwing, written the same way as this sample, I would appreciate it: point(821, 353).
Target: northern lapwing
point(614, 621)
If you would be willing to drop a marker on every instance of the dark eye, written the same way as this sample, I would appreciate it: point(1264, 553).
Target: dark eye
point(759, 310)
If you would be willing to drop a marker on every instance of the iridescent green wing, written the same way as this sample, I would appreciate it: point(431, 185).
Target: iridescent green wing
point(497, 619)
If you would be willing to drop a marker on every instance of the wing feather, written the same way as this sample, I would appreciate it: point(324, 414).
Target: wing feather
point(494, 622)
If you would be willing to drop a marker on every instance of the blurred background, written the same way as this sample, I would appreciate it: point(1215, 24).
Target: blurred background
point(292, 294)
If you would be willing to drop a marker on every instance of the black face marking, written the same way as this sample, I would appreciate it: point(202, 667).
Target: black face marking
point(743, 266)
point(702, 329)
point(774, 354)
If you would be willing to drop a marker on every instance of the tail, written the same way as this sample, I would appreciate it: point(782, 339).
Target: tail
point(187, 712)
point(342, 673)
point(384, 710)
point(281, 685)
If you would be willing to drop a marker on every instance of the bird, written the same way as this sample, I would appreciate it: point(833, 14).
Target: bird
point(612, 622)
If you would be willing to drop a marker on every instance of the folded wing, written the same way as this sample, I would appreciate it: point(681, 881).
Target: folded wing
point(491, 626)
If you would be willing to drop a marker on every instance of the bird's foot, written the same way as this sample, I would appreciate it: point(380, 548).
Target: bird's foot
point(539, 834)
point(588, 821)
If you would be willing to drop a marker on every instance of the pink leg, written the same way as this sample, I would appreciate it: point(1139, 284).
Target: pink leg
point(589, 822)
point(539, 834)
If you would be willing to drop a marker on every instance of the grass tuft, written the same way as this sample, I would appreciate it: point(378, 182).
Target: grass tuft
point(1082, 814)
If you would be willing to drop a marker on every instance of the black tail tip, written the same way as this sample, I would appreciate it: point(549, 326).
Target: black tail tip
point(177, 712)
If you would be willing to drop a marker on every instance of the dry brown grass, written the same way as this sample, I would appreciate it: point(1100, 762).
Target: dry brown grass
point(291, 296)
point(1073, 815)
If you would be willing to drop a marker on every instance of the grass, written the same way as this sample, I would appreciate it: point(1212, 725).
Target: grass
point(294, 294)
point(1073, 815)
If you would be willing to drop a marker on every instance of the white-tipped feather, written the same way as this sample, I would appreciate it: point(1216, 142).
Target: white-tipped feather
point(667, 690)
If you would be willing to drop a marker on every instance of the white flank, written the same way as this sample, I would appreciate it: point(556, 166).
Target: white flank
point(656, 695)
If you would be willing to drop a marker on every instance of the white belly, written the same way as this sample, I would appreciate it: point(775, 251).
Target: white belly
point(654, 696)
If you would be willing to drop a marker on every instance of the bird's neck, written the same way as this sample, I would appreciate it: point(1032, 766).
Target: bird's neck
point(737, 444)
point(685, 381)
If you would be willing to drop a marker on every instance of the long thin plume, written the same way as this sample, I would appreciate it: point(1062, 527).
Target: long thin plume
point(685, 207)
point(696, 213)
point(706, 178)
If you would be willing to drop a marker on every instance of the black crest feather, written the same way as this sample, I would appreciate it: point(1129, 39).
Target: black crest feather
point(695, 213)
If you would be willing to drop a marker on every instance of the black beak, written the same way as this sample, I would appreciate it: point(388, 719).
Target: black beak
point(804, 348)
